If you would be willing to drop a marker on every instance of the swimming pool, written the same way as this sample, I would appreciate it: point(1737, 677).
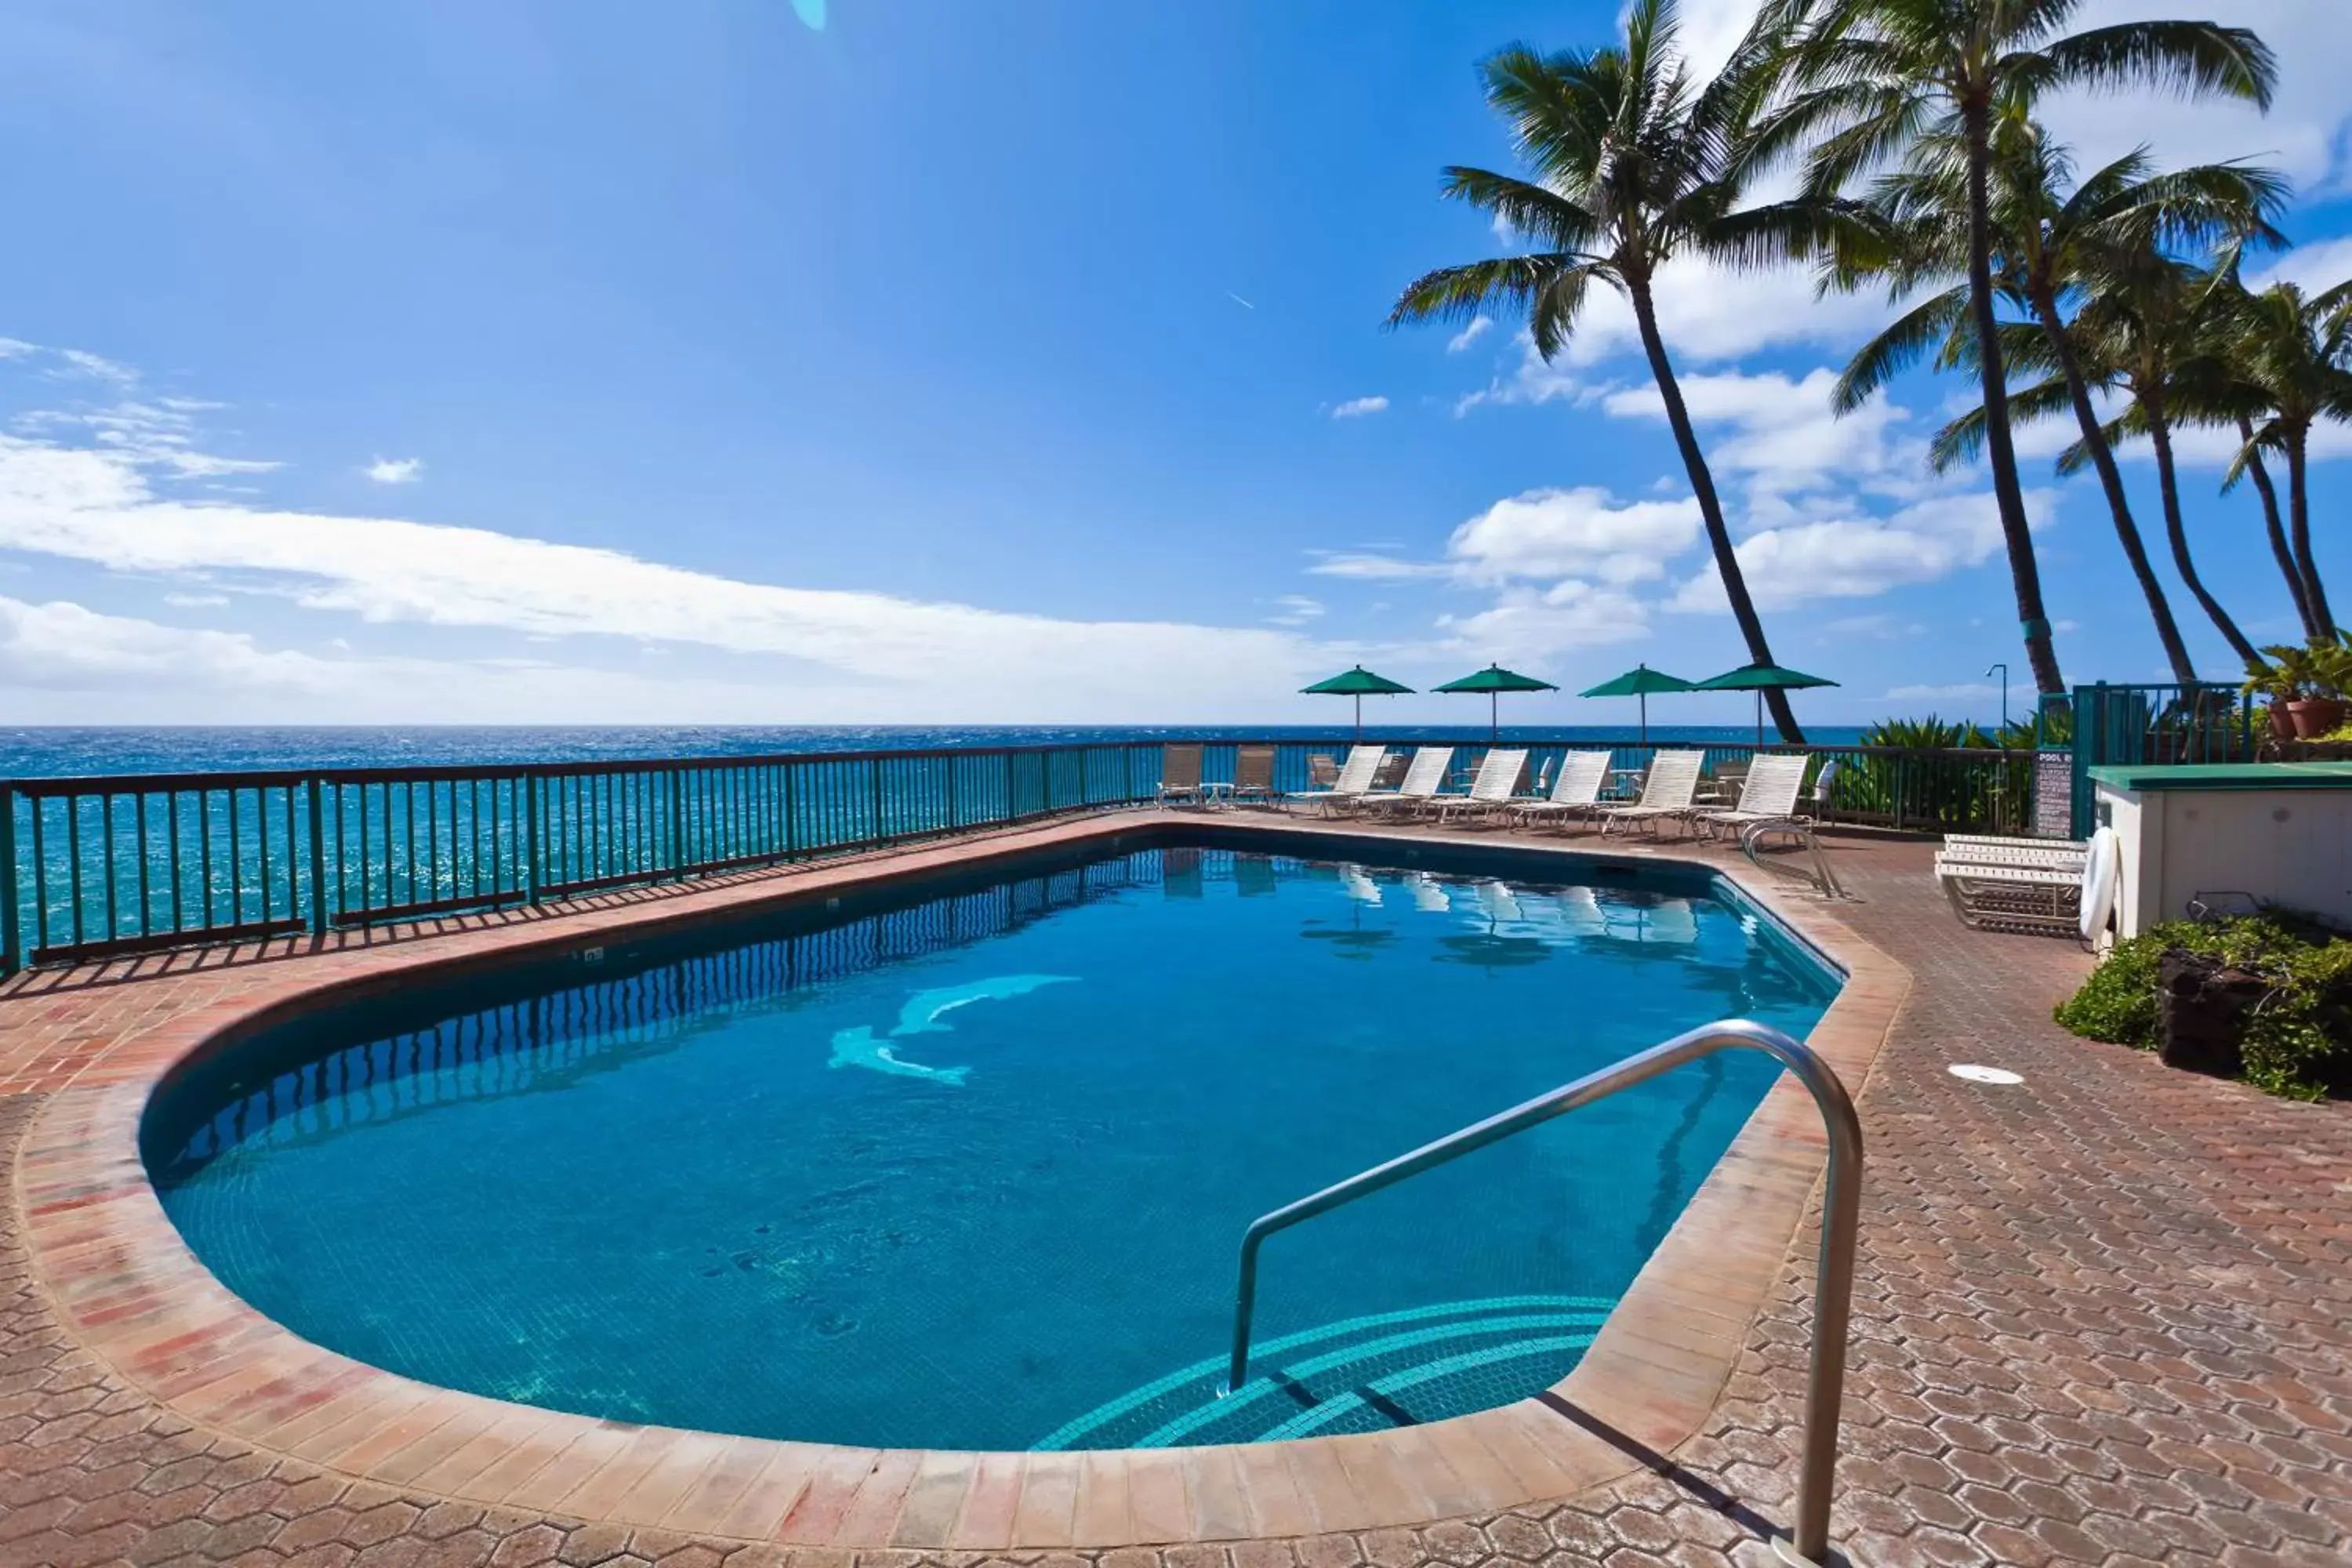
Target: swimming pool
point(963, 1162)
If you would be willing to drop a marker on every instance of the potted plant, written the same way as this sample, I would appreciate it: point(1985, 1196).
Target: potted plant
point(2308, 683)
point(2279, 683)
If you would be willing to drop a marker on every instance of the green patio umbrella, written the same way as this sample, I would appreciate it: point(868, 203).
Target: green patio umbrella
point(1760, 679)
point(1640, 681)
point(1494, 681)
point(1358, 683)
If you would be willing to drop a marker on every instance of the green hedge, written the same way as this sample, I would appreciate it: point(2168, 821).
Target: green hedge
point(2299, 1042)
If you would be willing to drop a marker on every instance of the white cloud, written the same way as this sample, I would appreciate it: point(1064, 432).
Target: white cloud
point(1478, 328)
point(1856, 557)
point(196, 601)
point(1784, 437)
point(1529, 624)
point(98, 367)
point(1709, 314)
point(864, 654)
point(158, 434)
point(1295, 610)
point(64, 647)
point(395, 470)
point(1579, 532)
point(1357, 407)
point(1371, 568)
point(2322, 264)
point(64, 663)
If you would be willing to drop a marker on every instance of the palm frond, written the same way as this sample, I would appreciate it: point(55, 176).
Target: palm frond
point(1962, 438)
point(2192, 58)
point(1543, 215)
point(1458, 293)
point(1898, 346)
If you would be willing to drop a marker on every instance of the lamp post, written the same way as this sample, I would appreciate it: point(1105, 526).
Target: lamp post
point(2004, 690)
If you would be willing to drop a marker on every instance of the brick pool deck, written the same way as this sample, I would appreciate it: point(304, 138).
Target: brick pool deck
point(2104, 1316)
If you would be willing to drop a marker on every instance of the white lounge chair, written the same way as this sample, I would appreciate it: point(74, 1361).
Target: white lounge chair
point(1422, 779)
point(1576, 791)
point(1180, 775)
point(1767, 794)
point(1666, 793)
point(1355, 781)
point(1495, 788)
point(2032, 898)
point(2059, 852)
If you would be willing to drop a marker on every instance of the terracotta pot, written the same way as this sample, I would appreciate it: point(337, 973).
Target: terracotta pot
point(2281, 721)
point(2315, 716)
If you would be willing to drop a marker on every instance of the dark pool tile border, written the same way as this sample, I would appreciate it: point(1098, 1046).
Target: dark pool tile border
point(131, 1292)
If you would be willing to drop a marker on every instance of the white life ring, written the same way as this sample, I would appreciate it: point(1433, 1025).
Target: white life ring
point(2102, 872)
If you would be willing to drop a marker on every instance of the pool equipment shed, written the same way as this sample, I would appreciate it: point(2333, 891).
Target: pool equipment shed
point(2222, 835)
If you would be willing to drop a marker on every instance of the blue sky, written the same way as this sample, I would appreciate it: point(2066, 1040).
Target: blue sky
point(1021, 361)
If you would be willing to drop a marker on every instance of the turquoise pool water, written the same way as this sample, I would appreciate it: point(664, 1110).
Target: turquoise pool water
point(965, 1164)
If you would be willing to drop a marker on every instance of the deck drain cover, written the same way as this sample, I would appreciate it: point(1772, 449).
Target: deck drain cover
point(1975, 1074)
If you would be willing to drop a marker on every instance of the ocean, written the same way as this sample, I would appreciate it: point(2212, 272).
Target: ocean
point(41, 752)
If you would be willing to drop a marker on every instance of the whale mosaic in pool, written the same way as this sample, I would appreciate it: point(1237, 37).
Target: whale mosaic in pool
point(632, 1182)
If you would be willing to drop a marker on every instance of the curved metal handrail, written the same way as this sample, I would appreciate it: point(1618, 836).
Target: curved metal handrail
point(1841, 1216)
point(1808, 837)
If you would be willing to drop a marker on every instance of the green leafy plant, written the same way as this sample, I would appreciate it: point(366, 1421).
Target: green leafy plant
point(2298, 1041)
point(2320, 668)
point(1933, 788)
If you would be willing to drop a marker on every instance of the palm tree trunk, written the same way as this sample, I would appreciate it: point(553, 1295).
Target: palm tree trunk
point(2025, 575)
point(1710, 506)
point(2111, 480)
point(2298, 501)
point(2160, 434)
point(2281, 550)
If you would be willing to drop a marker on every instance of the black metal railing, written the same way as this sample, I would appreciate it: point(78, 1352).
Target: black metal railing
point(109, 867)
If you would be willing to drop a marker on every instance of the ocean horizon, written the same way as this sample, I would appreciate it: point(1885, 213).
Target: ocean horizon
point(70, 750)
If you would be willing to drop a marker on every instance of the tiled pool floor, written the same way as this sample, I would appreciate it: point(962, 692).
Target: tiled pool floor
point(2104, 1316)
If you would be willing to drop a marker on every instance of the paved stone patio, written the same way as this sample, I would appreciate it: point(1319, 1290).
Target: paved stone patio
point(2104, 1316)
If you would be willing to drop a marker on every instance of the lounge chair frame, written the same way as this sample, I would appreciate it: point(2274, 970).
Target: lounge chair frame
point(1665, 795)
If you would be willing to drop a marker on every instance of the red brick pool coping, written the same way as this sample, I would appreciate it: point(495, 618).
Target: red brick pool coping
point(129, 1292)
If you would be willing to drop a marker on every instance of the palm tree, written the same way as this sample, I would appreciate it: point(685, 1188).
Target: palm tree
point(1879, 74)
point(2294, 352)
point(1630, 164)
point(2052, 246)
point(2140, 338)
point(2282, 551)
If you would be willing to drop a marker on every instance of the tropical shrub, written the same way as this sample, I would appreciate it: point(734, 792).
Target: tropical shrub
point(1932, 788)
point(2298, 1041)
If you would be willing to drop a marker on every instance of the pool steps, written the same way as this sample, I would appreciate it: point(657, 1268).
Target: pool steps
point(1358, 1374)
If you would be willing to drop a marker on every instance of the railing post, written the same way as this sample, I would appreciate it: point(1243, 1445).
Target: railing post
point(677, 820)
point(791, 811)
point(11, 949)
point(874, 773)
point(318, 860)
point(531, 838)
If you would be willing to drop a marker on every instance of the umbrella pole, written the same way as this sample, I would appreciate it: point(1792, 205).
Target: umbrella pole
point(1359, 715)
point(1759, 717)
point(1493, 717)
point(1644, 698)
